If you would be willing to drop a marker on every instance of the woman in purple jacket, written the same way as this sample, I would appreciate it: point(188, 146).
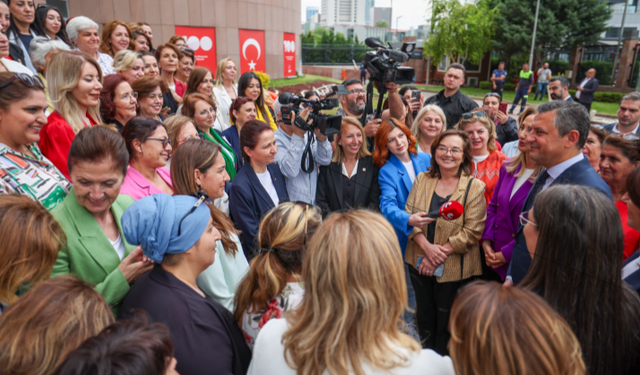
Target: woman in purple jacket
point(517, 176)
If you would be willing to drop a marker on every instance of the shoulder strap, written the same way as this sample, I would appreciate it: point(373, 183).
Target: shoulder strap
point(464, 211)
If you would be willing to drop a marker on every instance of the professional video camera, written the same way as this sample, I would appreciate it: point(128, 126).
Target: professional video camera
point(328, 125)
point(383, 64)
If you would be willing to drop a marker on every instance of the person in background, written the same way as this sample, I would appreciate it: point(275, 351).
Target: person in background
point(25, 260)
point(183, 245)
point(354, 282)
point(49, 23)
point(202, 110)
point(512, 149)
point(429, 122)
point(414, 104)
point(454, 244)
point(74, 82)
point(91, 217)
point(12, 51)
point(198, 166)
point(631, 266)
point(588, 86)
point(620, 155)
point(133, 347)
point(116, 37)
point(497, 79)
point(150, 64)
point(487, 160)
point(9, 63)
point(42, 50)
point(517, 176)
point(250, 86)
point(506, 127)
point(539, 340)
point(525, 81)
point(453, 102)
point(49, 322)
point(259, 185)
point(226, 88)
point(150, 92)
point(141, 42)
point(272, 286)
point(181, 129)
point(311, 95)
point(292, 142)
point(118, 101)
point(544, 73)
point(146, 28)
point(559, 89)
point(23, 168)
point(593, 146)
point(168, 56)
point(351, 180)
point(628, 115)
point(363, 74)
point(565, 236)
point(83, 32)
point(201, 81)
point(185, 65)
point(242, 110)
point(178, 41)
point(21, 30)
point(128, 64)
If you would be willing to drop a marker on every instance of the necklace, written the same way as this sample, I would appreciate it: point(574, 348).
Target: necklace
point(446, 186)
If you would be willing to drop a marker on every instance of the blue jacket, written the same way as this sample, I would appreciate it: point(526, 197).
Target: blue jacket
point(232, 136)
point(395, 185)
point(580, 173)
point(609, 128)
point(634, 279)
point(249, 202)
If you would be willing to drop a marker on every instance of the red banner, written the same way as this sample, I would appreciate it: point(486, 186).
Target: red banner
point(202, 40)
point(252, 51)
point(289, 54)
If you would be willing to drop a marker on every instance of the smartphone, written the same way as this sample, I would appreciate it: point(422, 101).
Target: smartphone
point(438, 271)
point(503, 107)
point(415, 95)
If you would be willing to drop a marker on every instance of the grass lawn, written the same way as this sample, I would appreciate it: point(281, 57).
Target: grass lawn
point(297, 80)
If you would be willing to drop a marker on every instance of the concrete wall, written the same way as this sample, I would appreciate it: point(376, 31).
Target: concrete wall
point(227, 16)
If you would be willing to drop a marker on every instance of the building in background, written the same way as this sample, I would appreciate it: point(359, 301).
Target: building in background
point(381, 14)
point(368, 14)
point(311, 11)
point(343, 12)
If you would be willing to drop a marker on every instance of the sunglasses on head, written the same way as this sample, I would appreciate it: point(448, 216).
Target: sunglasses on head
point(470, 115)
point(26, 80)
point(492, 94)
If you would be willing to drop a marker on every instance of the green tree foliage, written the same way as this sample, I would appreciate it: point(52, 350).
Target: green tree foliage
point(324, 46)
point(383, 24)
point(462, 32)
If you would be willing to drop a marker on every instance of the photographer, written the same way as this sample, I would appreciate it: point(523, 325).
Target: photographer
point(291, 142)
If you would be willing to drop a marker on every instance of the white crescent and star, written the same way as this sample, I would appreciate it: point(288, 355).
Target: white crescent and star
point(247, 43)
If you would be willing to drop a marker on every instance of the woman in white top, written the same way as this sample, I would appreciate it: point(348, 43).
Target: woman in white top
point(429, 122)
point(226, 89)
point(355, 296)
point(7, 65)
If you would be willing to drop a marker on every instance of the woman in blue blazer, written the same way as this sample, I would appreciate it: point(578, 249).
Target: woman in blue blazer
point(259, 185)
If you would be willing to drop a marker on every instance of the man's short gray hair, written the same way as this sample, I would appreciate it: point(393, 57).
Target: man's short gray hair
point(569, 116)
point(635, 96)
point(41, 46)
point(77, 24)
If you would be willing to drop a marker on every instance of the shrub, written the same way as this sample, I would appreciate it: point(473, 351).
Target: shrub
point(264, 79)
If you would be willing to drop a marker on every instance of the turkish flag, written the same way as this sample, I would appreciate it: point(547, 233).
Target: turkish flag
point(289, 54)
point(202, 40)
point(252, 50)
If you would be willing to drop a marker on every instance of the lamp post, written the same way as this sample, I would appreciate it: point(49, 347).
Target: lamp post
point(533, 40)
point(397, 27)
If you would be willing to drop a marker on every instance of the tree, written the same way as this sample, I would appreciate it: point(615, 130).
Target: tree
point(462, 32)
point(382, 24)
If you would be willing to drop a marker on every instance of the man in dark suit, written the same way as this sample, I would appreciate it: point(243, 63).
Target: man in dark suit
point(559, 131)
point(559, 89)
point(628, 115)
point(587, 87)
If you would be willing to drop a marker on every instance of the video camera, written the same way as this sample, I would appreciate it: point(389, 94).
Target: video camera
point(383, 64)
point(328, 125)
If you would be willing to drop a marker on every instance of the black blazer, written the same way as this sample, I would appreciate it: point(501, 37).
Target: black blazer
point(586, 96)
point(634, 279)
point(249, 202)
point(231, 134)
point(580, 173)
point(367, 189)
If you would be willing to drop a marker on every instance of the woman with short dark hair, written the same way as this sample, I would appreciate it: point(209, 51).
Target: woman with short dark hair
point(118, 101)
point(593, 146)
point(150, 91)
point(185, 66)
point(259, 185)
point(242, 110)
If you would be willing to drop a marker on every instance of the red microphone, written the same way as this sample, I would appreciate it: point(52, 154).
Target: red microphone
point(451, 210)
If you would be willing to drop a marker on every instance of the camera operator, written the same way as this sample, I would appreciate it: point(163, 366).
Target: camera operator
point(291, 142)
point(353, 105)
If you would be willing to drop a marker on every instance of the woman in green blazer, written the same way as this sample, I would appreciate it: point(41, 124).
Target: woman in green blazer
point(90, 216)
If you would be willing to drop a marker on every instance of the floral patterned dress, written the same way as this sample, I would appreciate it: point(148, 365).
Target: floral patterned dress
point(289, 299)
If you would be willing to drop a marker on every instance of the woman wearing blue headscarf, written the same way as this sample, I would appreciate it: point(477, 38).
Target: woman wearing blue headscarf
point(177, 233)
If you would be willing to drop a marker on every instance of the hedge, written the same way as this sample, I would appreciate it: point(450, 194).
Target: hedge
point(486, 85)
point(602, 97)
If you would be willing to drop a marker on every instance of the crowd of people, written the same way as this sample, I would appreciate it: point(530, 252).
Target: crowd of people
point(160, 218)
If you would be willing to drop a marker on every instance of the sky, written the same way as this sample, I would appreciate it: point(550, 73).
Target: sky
point(413, 12)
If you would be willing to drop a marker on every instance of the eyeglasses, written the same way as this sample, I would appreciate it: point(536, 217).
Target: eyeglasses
point(470, 115)
point(26, 80)
point(165, 141)
point(197, 136)
point(201, 195)
point(524, 219)
point(207, 111)
point(130, 95)
point(357, 91)
point(630, 137)
point(443, 150)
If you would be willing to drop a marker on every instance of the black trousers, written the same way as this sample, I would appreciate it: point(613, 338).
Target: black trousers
point(587, 106)
point(433, 306)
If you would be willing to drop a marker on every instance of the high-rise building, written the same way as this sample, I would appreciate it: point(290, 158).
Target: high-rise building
point(381, 14)
point(368, 6)
point(343, 12)
point(311, 11)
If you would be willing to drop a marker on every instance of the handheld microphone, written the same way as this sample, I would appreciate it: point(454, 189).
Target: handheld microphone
point(449, 211)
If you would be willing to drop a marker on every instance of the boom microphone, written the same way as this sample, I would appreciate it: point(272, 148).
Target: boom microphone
point(398, 56)
point(374, 43)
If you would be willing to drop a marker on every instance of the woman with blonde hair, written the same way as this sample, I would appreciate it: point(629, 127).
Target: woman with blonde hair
point(74, 82)
point(116, 36)
point(511, 149)
point(226, 88)
point(505, 331)
point(180, 129)
point(128, 64)
point(48, 323)
point(272, 286)
point(25, 258)
point(429, 122)
point(355, 295)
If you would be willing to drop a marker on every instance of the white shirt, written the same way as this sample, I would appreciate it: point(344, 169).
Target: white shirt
point(584, 82)
point(630, 268)
point(224, 103)
point(616, 131)
point(16, 67)
point(410, 170)
point(354, 171)
point(118, 245)
point(521, 180)
point(558, 169)
point(267, 184)
point(476, 160)
point(268, 357)
point(511, 149)
point(106, 64)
